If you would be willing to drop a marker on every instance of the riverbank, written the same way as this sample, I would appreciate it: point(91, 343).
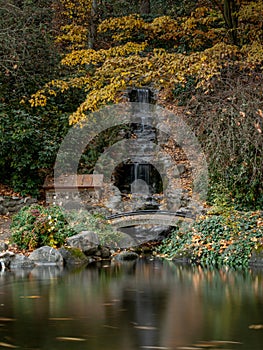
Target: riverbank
point(232, 238)
point(229, 238)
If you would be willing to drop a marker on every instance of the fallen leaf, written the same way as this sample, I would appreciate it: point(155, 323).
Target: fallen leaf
point(147, 328)
point(188, 348)
point(30, 296)
point(6, 319)
point(61, 319)
point(70, 339)
point(256, 326)
point(7, 345)
point(155, 347)
point(111, 327)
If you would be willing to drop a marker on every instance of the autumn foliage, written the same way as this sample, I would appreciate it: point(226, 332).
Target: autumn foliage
point(205, 56)
point(160, 53)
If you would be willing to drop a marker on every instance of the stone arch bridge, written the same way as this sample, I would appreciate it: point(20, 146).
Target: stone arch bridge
point(145, 217)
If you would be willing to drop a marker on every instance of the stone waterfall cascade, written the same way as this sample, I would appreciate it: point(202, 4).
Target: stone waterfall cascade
point(156, 175)
point(145, 181)
point(145, 134)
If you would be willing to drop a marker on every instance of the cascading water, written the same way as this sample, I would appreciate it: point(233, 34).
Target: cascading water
point(138, 179)
point(142, 182)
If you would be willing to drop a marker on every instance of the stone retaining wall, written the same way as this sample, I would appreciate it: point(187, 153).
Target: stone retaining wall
point(12, 204)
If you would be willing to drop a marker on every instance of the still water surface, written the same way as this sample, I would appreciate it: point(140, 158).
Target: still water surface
point(139, 305)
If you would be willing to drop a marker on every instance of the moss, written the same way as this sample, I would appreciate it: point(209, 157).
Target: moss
point(75, 252)
point(73, 256)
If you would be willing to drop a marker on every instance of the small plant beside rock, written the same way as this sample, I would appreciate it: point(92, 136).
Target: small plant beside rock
point(36, 226)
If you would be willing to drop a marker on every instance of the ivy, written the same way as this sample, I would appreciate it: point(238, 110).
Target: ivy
point(224, 239)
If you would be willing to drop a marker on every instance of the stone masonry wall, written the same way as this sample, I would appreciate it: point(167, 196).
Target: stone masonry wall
point(12, 204)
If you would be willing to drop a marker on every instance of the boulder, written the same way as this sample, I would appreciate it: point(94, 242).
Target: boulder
point(103, 253)
point(5, 259)
point(126, 256)
point(3, 210)
point(46, 256)
point(86, 241)
point(73, 256)
point(20, 261)
point(3, 246)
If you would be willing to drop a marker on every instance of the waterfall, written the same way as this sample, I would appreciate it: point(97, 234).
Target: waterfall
point(141, 176)
point(143, 95)
point(138, 176)
point(142, 183)
point(140, 179)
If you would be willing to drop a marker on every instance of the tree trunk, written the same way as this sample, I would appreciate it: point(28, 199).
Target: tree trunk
point(145, 7)
point(93, 24)
point(230, 17)
point(229, 10)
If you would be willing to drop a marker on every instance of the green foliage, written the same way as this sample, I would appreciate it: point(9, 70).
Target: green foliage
point(36, 226)
point(27, 52)
point(82, 221)
point(225, 239)
point(29, 144)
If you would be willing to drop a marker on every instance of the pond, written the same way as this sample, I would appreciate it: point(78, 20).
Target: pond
point(147, 304)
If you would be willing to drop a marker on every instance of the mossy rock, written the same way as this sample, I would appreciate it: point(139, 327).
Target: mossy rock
point(73, 256)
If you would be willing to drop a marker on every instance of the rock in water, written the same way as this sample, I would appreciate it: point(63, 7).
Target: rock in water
point(46, 256)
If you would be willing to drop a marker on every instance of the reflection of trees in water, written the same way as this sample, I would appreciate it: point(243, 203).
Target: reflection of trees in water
point(159, 307)
point(133, 304)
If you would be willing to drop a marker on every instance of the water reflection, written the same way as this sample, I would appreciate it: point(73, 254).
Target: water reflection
point(139, 305)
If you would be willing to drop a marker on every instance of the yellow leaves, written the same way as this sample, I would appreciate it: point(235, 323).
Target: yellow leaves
point(124, 27)
point(38, 99)
point(74, 34)
point(251, 11)
point(62, 85)
point(105, 73)
point(76, 9)
point(86, 57)
point(250, 21)
point(77, 16)
point(96, 99)
point(253, 54)
point(165, 28)
point(127, 27)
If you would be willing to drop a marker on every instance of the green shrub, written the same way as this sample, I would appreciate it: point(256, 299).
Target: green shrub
point(30, 143)
point(225, 239)
point(36, 226)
